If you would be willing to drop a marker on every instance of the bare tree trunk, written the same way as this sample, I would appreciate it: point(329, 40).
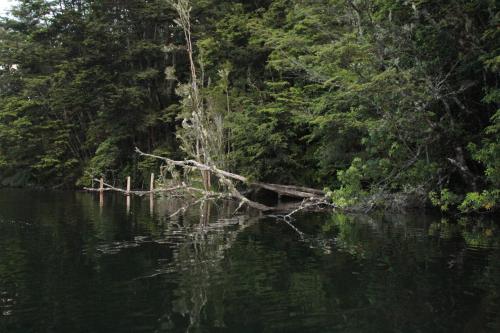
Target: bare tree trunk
point(198, 115)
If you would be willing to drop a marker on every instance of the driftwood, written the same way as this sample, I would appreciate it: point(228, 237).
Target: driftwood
point(109, 187)
point(312, 199)
point(286, 190)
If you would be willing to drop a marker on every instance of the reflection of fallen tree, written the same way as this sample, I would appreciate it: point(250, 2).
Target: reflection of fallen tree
point(200, 262)
point(198, 258)
point(198, 240)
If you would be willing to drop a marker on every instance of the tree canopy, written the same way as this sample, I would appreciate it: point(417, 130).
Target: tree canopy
point(385, 101)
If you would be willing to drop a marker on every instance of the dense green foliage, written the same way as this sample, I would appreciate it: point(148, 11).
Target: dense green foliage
point(378, 100)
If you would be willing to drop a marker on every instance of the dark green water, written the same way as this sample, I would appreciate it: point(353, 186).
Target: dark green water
point(69, 265)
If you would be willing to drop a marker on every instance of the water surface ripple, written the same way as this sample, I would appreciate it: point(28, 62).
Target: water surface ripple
point(71, 264)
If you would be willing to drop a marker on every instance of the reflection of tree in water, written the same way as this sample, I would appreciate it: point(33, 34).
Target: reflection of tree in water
point(206, 270)
point(197, 259)
point(423, 281)
point(489, 282)
point(399, 276)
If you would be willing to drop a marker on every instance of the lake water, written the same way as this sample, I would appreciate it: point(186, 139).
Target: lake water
point(70, 263)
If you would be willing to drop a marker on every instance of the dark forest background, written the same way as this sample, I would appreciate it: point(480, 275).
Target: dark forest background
point(397, 100)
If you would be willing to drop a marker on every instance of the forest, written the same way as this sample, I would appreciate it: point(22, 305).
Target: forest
point(391, 102)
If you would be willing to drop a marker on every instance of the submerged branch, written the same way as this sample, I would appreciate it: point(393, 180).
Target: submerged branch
point(312, 199)
point(287, 190)
point(109, 187)
point(311, 196)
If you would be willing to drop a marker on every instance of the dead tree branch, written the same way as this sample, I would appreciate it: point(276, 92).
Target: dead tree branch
point(311, 197)
point(287, 190)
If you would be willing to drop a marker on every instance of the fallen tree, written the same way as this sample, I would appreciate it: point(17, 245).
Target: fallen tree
point(312, 199)
point(287, 190)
